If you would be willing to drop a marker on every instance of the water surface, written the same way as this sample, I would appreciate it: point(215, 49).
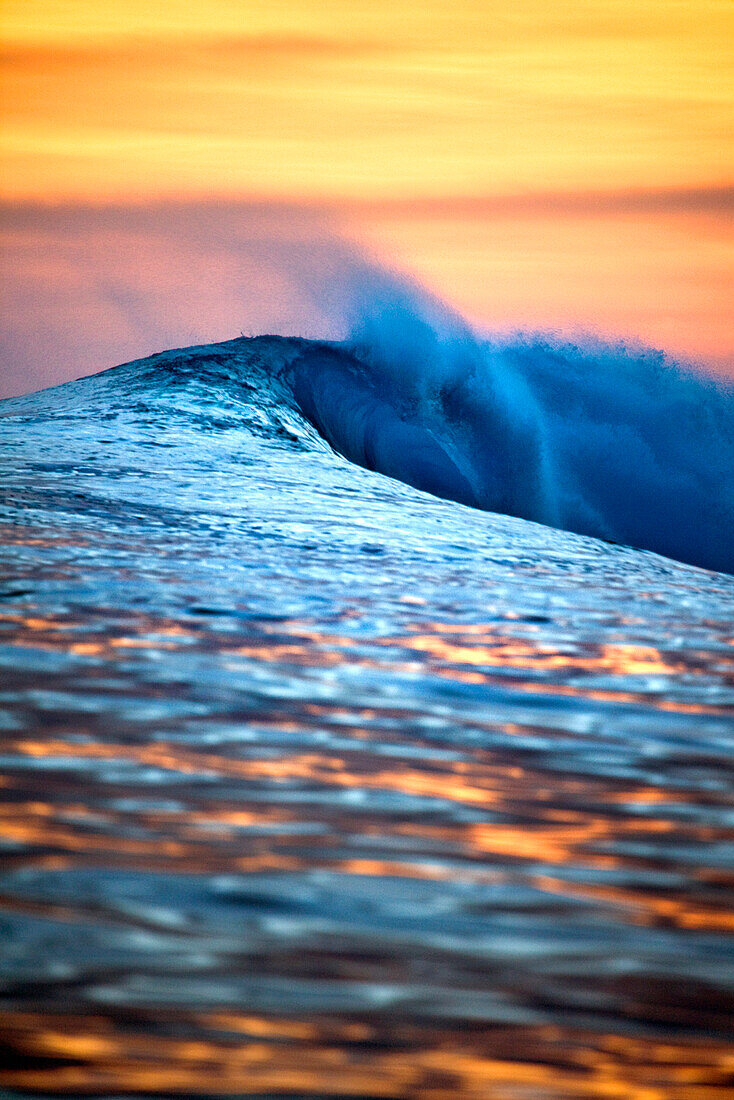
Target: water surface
point(315, 785)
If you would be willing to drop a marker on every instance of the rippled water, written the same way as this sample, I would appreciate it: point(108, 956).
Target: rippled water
point(314, 785)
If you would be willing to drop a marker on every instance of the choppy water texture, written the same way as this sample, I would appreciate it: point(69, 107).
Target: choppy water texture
point(316, 785)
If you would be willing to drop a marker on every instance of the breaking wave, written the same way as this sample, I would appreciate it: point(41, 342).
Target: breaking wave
point(612, 441)
point(608, 440)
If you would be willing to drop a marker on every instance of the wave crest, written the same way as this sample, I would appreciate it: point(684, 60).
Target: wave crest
point(603, 439)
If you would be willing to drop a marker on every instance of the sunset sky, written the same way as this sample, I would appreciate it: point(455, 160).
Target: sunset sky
point(556, 164)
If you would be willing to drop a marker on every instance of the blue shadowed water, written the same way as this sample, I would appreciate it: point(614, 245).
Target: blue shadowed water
point(317, 782)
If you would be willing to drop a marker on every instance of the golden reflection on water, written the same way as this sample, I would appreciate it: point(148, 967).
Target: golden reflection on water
point(623, 660)
point(242, 1054)
point(475, 653)
point(212, 840)
point(548, 829)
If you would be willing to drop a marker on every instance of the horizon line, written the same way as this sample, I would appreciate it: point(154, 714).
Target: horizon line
point(704, 198)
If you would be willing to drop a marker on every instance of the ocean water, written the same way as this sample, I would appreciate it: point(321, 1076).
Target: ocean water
point(327, 771)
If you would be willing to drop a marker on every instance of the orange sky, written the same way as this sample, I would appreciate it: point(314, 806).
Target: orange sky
point(552, 163)
point(364, 98)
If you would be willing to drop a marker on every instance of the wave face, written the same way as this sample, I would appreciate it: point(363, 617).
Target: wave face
point(615, 442)
point(618, 444)
point(597, 439)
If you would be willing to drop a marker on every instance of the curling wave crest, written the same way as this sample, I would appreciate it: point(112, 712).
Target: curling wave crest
point(615, 442)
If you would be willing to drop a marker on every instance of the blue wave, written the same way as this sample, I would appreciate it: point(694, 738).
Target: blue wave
point(615, 442)
point(601, 440)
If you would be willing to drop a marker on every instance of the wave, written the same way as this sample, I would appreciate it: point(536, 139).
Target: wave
point(620, 445)
point(617, 442)
point(607, 440)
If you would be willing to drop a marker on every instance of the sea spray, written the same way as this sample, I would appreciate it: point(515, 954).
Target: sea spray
point(605, 439)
